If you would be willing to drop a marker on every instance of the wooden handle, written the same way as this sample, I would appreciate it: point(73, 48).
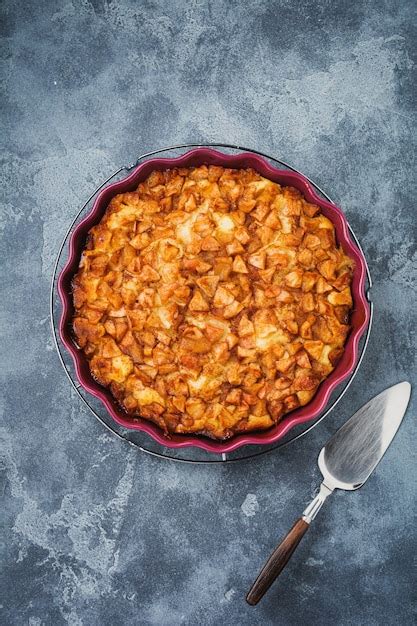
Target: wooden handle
point(277, 561)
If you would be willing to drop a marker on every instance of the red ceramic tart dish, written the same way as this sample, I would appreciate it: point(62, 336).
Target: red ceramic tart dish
point(216, 301)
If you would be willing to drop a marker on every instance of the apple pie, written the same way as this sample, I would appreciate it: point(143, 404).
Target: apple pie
point(212, 300)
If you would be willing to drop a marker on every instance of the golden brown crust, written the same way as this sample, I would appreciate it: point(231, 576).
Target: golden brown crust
point(212, 300)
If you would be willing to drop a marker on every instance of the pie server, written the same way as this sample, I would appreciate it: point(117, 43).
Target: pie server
point(346, 462)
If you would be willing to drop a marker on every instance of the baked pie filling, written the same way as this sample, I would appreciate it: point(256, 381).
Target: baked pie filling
point(212, 300)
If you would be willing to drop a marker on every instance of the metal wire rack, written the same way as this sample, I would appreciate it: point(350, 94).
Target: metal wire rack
point(139, 440)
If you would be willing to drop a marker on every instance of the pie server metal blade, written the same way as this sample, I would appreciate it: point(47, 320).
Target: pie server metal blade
point(350, 456)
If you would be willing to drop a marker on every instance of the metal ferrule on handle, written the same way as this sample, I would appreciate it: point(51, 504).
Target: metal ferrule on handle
point(315, 505)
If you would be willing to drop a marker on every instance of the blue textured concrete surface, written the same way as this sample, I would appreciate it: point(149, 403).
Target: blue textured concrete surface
point(94, 532)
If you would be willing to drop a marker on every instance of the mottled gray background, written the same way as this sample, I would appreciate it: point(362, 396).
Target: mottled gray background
point(95, 532)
